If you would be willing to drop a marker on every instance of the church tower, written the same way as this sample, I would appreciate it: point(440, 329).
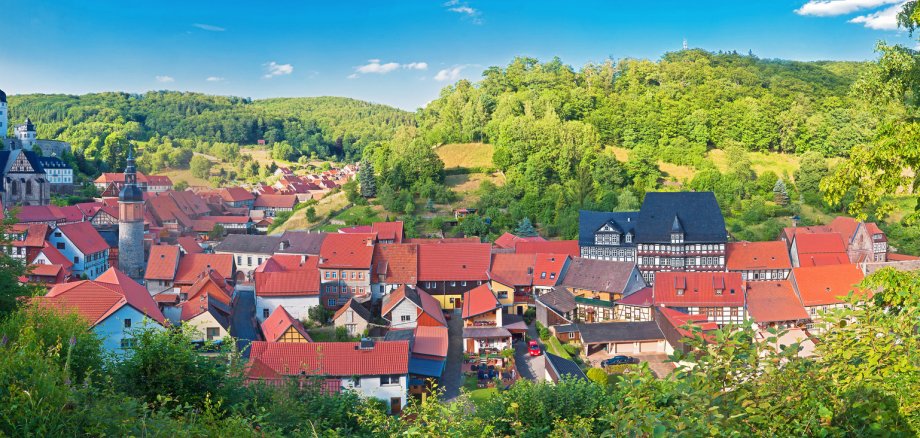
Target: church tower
point(4, 116)
point(131, 224)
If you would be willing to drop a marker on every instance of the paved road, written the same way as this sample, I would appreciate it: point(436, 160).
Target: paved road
point(453, 370)
point(243, 324)
point(530, 367)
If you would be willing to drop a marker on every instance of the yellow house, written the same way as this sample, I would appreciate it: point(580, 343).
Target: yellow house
point(280, 326)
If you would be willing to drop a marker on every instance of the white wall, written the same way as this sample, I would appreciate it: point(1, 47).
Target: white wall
point(298, 307)
point(370, 387)
point(112, 329)
point(405, 308)
point(202, 323)
point(92, 268)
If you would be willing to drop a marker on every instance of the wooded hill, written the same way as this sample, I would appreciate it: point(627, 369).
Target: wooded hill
point(327, 126)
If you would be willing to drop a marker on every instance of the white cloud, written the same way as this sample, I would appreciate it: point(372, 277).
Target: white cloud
point(214, 79)
point(273, 69)
point(209, 27)
point(449, 74)
point(886, 19)
point(876, 14)
point(463, 8)
point(375, 66)
point(165, 79)
point(416, 66)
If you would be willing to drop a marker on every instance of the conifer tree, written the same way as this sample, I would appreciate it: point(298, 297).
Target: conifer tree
point(780, 196)
point(367, 180)
point(526, 229)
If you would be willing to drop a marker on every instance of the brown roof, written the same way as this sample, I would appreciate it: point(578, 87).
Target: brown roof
point(236, 194)
point(191, 266)
point(398, 263)
point(163, 262)
point(275, 201)
point(774, 301)
point(742, 256)
point(513, 269)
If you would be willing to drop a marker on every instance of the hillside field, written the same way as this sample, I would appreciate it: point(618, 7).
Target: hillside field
point(465, 155)
point(325, 206)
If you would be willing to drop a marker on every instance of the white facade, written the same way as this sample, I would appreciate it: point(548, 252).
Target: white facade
point(385, 388)
point(59, 176)
point(404, 315)
point(93, 265)
point(115, 331)
point(207, 328)
point(247, 262)
point(297, 306)
point(25, 136)
point(157, 286)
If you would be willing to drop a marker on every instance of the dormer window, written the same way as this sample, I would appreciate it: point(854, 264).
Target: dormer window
point(719, 291)
point(628, 237)
point(677, 237)
point(680, 291)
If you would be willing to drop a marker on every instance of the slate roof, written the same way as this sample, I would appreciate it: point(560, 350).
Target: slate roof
point(773, 301)
point(599, 275)
point(485, 332)
point(590, 221)
point(52, 163)
point(634, 331)
point(248, 244)
point(564, 367)
point(559, 299)
point(7, 158)
point(302, 242)
point(343, 359)
point(279, 322)
point(697, 212)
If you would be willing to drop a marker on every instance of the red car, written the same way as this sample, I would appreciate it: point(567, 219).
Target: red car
point(534, 348)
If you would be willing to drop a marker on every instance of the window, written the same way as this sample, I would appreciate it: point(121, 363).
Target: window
point(60, 245)
point(543, 275)
point(249, 260)
point(453, 284)
point(127, 322)
point(552, 275)
point(333, 274)
point(571, 335)
point(28, 187)
point(326, 275)
point(680, 292)
point(239, 260)
point(331, 302)
point(260, 260)
point(213, 333)
point(405, 318)
point(389, 380)
point(265, 313)
point(463, 283)
point(76, 259)
point(719, 291)
point(352, 275)
point(127, 343)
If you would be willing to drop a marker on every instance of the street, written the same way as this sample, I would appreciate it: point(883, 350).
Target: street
point(530, 367)
point(243, 323)
point(452, 379)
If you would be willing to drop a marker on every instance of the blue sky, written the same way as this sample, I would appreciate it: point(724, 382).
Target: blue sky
point(399, 53)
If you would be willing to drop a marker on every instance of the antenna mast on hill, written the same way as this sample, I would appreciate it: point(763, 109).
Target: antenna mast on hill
point(685, 44)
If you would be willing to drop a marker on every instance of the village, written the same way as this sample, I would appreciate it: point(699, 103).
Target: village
point(369, 310)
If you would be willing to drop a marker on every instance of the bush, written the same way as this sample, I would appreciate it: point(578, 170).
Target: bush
point(598, 376)
point(570, 349)
point(319, 314)
point(543, 332)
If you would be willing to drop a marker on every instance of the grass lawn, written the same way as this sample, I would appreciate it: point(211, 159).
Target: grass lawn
point(675, 171)
point(554, 346)
point(356, 215)
point(466, 155)
point(466, 185)
point(478, 395)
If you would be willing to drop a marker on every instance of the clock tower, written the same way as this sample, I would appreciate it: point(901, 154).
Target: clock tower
point(131, 224)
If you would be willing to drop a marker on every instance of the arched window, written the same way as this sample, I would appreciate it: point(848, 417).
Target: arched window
point(28, 187)
point(14, 188)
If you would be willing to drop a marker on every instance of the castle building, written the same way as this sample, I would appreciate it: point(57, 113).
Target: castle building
point(26, 134)
point(131, 224)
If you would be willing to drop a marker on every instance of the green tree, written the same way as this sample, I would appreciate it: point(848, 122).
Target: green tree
point(217, 232)
point(598, 376)
point(525, 228)
point(780, 195)
point(310, 214)
point(367, 180)
point(200, 166)
point(812, 169)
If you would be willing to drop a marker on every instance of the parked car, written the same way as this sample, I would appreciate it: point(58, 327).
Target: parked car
point(534, 348)
point(619, 360)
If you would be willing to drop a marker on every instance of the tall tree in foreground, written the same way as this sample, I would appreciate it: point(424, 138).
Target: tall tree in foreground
point(367, 179)
point(890, 163)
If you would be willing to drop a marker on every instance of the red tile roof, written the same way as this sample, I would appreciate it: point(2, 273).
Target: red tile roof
point(896, 257)
point(823, 259)
point(96, 299)
point(774, 301)
point(55, 257)
point(446, 240)
point(513, 269)
point(341, 359)
point(357, 229)
point(347, 251)
point(568, 247)
point(479, 300)
point(791, 232)
point(274, 327)
point(825, 285)
point(756, 255)
point(208, 287)
point(509, 241)
point(388, 230)
point(430, 341)
point(816, 243)
point(36, 235)
point(547, 269)
point(43, 270)
point(84, 237)
point(643, 297)
point(454, 262)
point(426, 303)
point(287, 283)
point(275, 201)
point(699, 289)
point(846, 226)
point(191, 266)
point(162, 263)
point(236, 194)
point(288, 262)
point(679, 319)
point(398, 263)
point(190, 245)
